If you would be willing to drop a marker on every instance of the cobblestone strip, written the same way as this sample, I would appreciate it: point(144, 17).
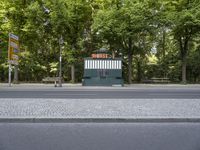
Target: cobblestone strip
point(99, 108)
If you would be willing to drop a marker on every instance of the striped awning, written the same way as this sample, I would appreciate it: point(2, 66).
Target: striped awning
point(103, 64)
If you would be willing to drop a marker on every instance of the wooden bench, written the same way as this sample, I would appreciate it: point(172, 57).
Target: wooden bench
point(160, 80)
point(51, 79)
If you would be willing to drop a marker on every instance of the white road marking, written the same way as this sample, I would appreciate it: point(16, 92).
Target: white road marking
point(66, 94)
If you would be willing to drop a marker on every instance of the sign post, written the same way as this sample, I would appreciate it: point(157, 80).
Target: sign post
point(13, 50)
point(60, 61)
point(9, 74)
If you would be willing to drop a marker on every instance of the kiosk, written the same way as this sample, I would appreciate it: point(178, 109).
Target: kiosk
point(102, 70)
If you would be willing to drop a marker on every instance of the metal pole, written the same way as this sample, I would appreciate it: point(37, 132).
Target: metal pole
point(60, 61)
point(60, 70)
point(9, 62)
point(9, 74)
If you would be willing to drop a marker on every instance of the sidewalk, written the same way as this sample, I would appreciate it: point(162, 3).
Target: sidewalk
point(97, 110)
point(38, 110)
point(37, 86)
point(79, 85)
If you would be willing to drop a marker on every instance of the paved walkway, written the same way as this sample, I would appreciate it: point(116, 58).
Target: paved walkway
point(79, 85)
point(129, 109)
point(134, 109)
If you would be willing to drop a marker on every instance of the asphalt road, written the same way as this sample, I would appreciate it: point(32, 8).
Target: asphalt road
point(170, 103)
point(103, 93)
point(100, 136)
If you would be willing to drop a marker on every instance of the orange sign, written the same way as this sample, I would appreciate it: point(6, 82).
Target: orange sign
point(13, 49)
point(99, 55)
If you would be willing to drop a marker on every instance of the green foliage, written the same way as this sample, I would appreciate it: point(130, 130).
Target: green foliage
point(193, 67)
point(128, 28)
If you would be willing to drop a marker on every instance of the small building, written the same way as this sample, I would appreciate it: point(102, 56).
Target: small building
point(102, 70)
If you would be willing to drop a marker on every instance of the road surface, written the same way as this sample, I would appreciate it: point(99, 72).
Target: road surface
point(100, 136)
point(100, 118)
point(154, 92)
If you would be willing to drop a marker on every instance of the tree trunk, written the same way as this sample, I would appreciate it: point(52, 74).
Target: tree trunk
point(138, 71)
point(184, 65)
point(130, 60)
point(163, 42)
point(184, 51)
point(72, 73)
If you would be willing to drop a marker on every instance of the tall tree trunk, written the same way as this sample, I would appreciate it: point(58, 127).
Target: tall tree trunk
point(164, 51)
point(184, 51)
point(184, 65)
point(72, 73)
point(163, 42)
point(130, 60)
point(139, 71)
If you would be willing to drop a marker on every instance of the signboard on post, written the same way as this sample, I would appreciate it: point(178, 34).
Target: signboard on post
point(13, 49)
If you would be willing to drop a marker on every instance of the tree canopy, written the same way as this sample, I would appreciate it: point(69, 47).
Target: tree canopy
point(154, 38)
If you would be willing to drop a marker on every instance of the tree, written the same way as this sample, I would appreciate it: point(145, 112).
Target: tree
point(12, 15)
point(128, 28)
point(186, 24)
point(122, 26)
point(40, 24)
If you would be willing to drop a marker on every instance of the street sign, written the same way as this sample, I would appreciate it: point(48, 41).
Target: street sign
point(13, 49)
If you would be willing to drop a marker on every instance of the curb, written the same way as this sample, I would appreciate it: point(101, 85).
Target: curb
point(99, 120)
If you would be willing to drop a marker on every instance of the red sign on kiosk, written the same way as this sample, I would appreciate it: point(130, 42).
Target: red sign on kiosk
point(100, 55)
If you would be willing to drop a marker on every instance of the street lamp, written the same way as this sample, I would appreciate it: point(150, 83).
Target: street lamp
point(60, 61)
